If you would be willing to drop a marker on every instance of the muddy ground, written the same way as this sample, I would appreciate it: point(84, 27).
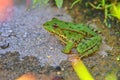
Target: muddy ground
point(26, 47)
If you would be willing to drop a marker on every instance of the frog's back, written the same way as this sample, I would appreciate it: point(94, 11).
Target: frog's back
point(80, 28)
point(87, 30)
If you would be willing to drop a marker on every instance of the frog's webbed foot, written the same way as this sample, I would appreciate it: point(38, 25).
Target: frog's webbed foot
point(87, 47)
point(68, 47)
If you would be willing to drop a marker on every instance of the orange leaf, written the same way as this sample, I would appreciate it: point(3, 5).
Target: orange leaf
point(27, 76)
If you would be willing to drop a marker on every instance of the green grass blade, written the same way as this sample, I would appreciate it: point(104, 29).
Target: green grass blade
point(59, 3)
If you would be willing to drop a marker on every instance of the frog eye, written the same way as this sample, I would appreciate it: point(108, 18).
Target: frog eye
point(55, 25)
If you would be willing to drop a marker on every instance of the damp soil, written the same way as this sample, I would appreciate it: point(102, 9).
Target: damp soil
point(14, 62)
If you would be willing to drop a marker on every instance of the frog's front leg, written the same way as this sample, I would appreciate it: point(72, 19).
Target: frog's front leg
point(68, 47)
point(89, 46)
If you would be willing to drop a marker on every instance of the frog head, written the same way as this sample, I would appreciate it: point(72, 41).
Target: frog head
point(52, 25)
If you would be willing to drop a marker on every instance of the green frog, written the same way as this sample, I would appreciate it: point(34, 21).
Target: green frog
point(83, 38)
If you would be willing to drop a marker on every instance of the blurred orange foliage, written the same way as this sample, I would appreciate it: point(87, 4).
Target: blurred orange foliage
point(27, 76)
point(5, 5)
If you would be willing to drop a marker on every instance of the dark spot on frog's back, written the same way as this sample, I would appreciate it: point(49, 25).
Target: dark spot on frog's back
point(66, 23)
point(71, 27)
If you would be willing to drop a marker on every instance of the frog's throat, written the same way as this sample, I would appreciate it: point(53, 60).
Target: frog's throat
point(59, 35)
point(62, 38)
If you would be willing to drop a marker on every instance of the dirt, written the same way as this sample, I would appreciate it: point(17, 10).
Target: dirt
point(15, 61)
point(100, 64)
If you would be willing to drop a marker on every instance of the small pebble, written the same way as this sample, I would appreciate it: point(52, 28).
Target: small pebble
point(58, 78)
point(51, 48)
point(4, 46)
point(58, 68)
point(48, 56)
point(25, 34)
point(58, 73)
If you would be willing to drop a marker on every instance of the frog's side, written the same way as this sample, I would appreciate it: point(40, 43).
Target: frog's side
point(72, 35)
